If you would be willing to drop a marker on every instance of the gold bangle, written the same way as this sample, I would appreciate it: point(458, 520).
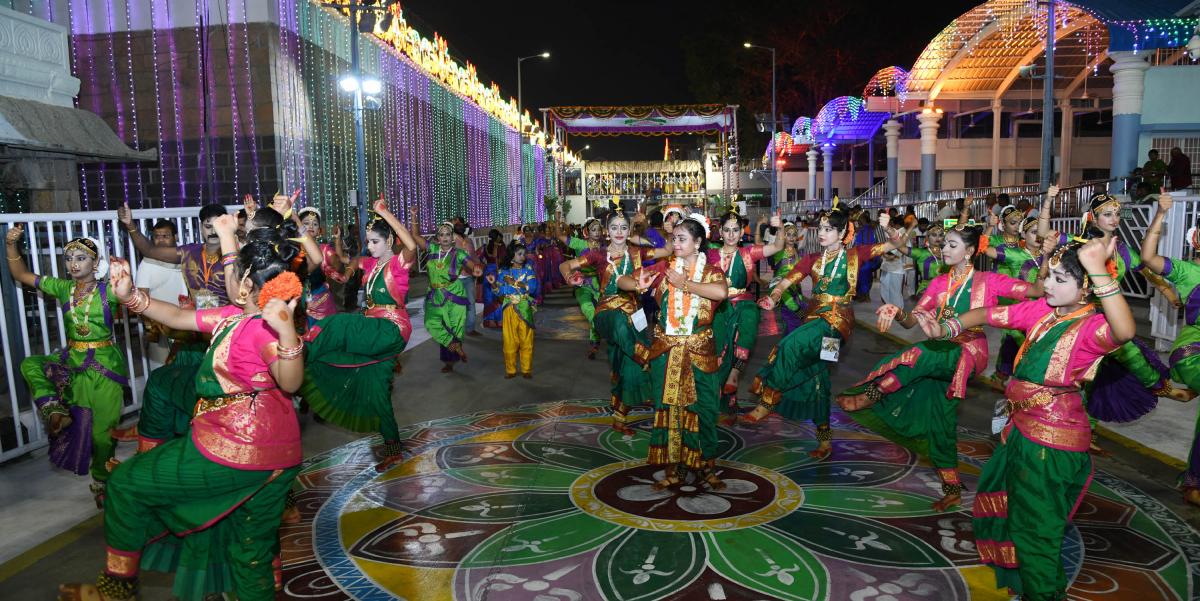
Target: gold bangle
point(16, 258)
point(291, 353)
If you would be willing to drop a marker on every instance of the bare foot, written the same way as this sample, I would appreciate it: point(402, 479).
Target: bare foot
point(1176, 393)
point(946, 502)
point(854, 402)
point(1192, 495)
point(822, 452)
point(58, 423)
point(757, 415)
point(667, 482)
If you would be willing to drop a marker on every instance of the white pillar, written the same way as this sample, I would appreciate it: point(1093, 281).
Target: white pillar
point(812, 172)
point(1064, 152)
point(1129, 78)
point(827, 149)
point(891, 134)
point(997, 114)
point(929, 118)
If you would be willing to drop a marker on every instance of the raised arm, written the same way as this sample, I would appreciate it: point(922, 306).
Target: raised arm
point(1093, 256)
point(407, 240)
point(16, 263)
point(1150, 256)
point(288, 372)
point(780, 241)
point(419, 240)
point(139, 302)
point(1043, 227)
point(166, 254)
point(226, 228)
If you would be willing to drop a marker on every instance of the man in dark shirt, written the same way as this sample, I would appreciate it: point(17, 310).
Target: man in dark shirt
point(1180, 170)
point(1154, 170)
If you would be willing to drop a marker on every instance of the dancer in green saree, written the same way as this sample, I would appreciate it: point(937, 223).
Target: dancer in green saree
point(78, 391)
point(735, 326)
point(446, 303)
point(912, 397)
point(616, 311)
point(795, 380)
point(793, 307)
point(1133, 377)
point(587, 293)
point(1037, 477)
point(348, 375)
point(215, 496)
point(682, 359)
point(1185, 354)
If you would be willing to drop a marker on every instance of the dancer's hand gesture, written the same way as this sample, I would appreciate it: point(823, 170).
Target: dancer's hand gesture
point(15, 234)
point(278, 314)
point(675, 278)
point(1049, 243)
point(1165, 201)
point(381, 206)
point(1095, 253)
point(777, 219)
point(283, 204)
point(767, 303)
point(250, 205)
point(491, 279)
point(576, 279)
point(886, 315)
point(118, 278)
point(884, 220)
point(645, 280)
point(226, 226)
point(929, 325)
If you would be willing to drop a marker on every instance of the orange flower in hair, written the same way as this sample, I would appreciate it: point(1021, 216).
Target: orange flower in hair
point(1111, 267)
point(849, 233)
point(298, 260)
point(982, 245)
point(909, 221)
point(284, 286)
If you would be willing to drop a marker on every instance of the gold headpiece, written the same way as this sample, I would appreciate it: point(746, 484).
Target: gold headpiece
point(84, 244)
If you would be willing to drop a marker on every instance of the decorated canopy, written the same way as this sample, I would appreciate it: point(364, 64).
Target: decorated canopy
point(846, 119)
point(651, 120)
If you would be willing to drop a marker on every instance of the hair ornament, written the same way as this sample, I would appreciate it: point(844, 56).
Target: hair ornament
point(702, 220)
point(92, 247)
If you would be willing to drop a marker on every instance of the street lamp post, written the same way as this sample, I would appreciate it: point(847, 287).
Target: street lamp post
point(774, 126)
point(354, 84)
point(521, 132)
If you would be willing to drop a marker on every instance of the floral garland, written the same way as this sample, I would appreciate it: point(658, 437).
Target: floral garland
point(682, 309)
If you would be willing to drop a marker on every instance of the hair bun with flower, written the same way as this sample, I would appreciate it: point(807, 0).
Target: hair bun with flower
point(285, 286)
point(702, 220)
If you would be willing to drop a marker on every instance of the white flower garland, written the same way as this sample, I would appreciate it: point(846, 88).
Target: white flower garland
point(687, 321)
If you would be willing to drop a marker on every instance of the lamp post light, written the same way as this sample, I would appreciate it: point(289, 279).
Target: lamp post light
point(354, 84)
point(774, 124)
point(521, 132)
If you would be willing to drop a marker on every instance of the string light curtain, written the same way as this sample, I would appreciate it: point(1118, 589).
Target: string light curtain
point(178, 76)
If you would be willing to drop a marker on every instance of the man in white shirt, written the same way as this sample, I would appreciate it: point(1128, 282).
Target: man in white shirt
point(164, 282)
point(891, 272)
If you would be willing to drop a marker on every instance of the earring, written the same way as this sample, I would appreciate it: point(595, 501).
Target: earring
point(242, 297)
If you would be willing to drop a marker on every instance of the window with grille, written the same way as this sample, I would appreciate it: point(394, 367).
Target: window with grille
point(1190, 148)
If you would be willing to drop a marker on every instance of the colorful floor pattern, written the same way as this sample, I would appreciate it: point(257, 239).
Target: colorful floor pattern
point(546, 503)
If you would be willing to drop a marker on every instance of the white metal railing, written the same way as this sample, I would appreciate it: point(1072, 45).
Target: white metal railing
point(1164, 317)
point(30, 325)
point(873, 197)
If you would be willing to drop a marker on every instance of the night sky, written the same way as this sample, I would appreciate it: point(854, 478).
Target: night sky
point(677, 52)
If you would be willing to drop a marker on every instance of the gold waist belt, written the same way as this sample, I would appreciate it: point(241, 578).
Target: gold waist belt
point(80, 345)
point(515, 298)
point(736, 291)
point(204, 405)
point(436, 286)
point(371, 305)
point(829, 299)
